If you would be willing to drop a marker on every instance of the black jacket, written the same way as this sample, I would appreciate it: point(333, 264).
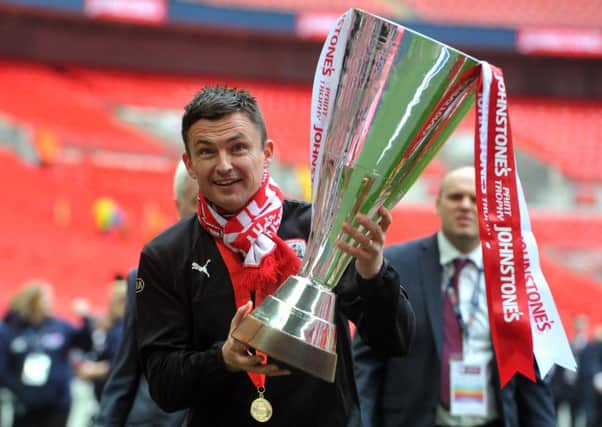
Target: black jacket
point(184, 317)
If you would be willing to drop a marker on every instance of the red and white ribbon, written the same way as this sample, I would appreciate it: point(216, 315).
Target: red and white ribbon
point(523, 318)
point(324, 91)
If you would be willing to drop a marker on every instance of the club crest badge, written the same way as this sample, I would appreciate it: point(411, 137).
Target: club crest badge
point(139, 285)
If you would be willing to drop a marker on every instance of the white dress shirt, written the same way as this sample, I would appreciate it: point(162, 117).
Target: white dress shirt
point(477, 347)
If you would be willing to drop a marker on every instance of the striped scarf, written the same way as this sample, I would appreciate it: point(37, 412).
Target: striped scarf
point(257, 259)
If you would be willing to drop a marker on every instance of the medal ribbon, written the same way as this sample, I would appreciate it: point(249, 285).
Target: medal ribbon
point(236, 270)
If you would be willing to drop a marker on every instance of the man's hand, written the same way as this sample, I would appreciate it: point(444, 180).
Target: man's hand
point(369, 252)
point(238, 356)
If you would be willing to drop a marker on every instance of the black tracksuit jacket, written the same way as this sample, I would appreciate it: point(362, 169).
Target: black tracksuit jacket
point(184, 318)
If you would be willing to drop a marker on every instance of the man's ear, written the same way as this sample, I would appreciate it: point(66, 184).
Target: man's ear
point(268, 152)
point(188, 163)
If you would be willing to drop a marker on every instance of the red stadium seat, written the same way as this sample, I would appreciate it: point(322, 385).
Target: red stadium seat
point(562, 133)
point(578, 13)
point(43, 98)
point(512, 13)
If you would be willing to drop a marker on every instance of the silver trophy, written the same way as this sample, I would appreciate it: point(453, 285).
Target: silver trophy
point(396, 97)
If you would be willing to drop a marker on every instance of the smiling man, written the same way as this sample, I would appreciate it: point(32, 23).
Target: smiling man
point(202, 276)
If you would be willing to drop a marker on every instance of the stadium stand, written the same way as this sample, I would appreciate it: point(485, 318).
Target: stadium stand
point(45, 98)
point(580, 13)
point(379, 7)
point(561, 133)
point(49, 229)
point(564, 134)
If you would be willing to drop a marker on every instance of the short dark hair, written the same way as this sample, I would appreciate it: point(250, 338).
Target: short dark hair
point(215, 102)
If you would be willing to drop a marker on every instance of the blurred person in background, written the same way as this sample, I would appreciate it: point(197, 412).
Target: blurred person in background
point(107, 337)
point(201, 277)
point(34, 356)
point(125, 399)
point(590, 378)
point(443, 275)
point(567, 386)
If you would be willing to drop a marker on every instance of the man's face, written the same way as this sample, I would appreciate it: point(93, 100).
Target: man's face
point(456, 206)
point(227, 160)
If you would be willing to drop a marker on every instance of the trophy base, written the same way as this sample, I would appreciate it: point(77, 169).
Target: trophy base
point(295, 326)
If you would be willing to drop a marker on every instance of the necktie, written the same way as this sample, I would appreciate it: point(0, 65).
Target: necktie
point(452, 333)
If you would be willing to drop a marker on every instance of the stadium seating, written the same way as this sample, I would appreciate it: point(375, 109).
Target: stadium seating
point(49, 230)
point(44, 98)
point(50, 209)
point(276, 100)
point(380, 7)
point(562, 133)
point(511, 13)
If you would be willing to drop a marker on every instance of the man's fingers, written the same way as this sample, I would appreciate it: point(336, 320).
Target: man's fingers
point(242, 311)
point(279, 373)
point(386, 218)
point(255, 364)
point(355, 234)
point(239, 347)
point(373, 231)
point(245, 361)
point(355, 252)
point(269, 370)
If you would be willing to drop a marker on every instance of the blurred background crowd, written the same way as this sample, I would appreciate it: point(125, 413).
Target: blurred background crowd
point(91, 96)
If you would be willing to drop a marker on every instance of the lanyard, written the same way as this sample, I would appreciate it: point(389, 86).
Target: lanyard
point(455, 303)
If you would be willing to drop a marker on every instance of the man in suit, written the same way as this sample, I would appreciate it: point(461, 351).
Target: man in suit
point(125, 400)
point(566, 385)
point(590, 380)
point(414, 391)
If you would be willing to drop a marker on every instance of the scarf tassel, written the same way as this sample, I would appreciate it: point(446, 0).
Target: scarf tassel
point(263, 280)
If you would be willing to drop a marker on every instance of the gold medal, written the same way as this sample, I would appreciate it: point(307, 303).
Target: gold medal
point(261, 409)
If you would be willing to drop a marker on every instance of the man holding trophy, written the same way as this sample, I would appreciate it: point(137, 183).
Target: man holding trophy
point(384, 101)
point(199, 279)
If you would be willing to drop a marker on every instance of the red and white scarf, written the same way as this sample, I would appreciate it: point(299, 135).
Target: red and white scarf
point(258, 260)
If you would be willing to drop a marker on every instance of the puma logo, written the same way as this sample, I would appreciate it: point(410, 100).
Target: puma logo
point(202, 269)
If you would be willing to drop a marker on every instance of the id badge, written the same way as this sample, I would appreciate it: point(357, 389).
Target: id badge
point(468, 382)
point(36, 368)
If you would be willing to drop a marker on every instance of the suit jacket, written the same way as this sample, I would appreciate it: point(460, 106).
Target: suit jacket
point(125, 400)
point(405, 391)
point(590, 363)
